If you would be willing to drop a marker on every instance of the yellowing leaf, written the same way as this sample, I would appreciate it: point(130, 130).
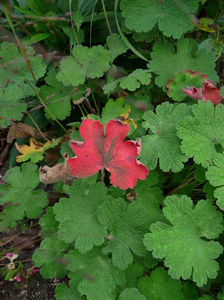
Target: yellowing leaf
point(34, 152)
point(205, 24)
point(125, 120)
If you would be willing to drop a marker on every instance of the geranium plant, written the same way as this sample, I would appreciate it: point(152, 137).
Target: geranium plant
point(112, 119)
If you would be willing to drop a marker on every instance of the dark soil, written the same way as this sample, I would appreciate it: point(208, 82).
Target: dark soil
point(38, 290)
point(25, 242)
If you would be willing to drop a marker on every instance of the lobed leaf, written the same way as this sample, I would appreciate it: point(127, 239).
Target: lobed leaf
point(202, 133)
point(162, 143)
point(166, 62)
point(186, 245)
point(173, 18)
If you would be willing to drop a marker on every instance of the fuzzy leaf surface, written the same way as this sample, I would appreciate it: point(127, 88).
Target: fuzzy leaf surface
point(64, 293)
point(159, 286)
point(100, 287)
point(166, 62)
point(183, 80)
point(124, 225)
point(14, 71)
point(215, 175)
point(131, 82)
point(49, 225)
point(81, 265)
point(131, 294)
point(84, 63)
point(186, 244)
point(21, 195)
point(49, 258)
point(202, 132)
point(77, 215)
point(56, 96)
point(172, 19)
point(162, 143)
point(116, 46)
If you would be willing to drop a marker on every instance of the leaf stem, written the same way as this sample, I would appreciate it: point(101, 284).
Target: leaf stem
point(47, 109)
point(106, 18)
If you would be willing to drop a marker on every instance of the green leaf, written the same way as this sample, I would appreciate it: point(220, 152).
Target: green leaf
point(81, 265)
point(159, 286)
point(173, 18)
point(64, 293)
point(36, 38)
point(151, 197)
point(49, 225)
point(56, 96)
point(186, 244)
point(131, 82)
point(11, 110)
point(14, 73)
point(162, 142)
point(85, 63)
point(166, 62)
point(133, 272)
point(14, 70)
point(99, 286)
point(131, 294)
point(77, 18)
point(215, 175)
point(116, 46)
point(49, 258)
point(77, 214)
point(125, 234)
point(202, 133)
point(222, 91)
point(113, 109)
point(21, 196)
point(183, 80)
point(146, 37)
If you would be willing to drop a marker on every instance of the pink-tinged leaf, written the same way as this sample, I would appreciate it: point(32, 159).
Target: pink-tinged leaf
point(206, 93)
point(194, 93)
point(211, 92)
point(108, 151)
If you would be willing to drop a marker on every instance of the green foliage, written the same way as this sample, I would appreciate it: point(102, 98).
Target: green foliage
point(100, 286)
point(56, 97)
point(166, 61)
point(159, 286)
point(130, 82)
point(113, 109)
point(49, 225)
point(116, 46)
point(82, 264)
point(202, 133)
point(49, 258)
point(82, 206)
point(162, 142)
point(215, 175)
point(21, 196)
point(131, 294)
point(84, 63)
point(14, 78)
point(173, 18)
point(124, 225)
point(183, 80)
point(179, 242)
point(73, 62)
point(64, 293)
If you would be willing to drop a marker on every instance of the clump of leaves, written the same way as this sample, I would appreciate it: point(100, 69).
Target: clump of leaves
point(106, 96)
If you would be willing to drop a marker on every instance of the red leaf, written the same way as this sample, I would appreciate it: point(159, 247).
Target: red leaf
point(108, 151)
point(206, 93)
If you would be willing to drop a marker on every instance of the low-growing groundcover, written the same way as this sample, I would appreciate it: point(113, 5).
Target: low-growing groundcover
point(115, 114)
